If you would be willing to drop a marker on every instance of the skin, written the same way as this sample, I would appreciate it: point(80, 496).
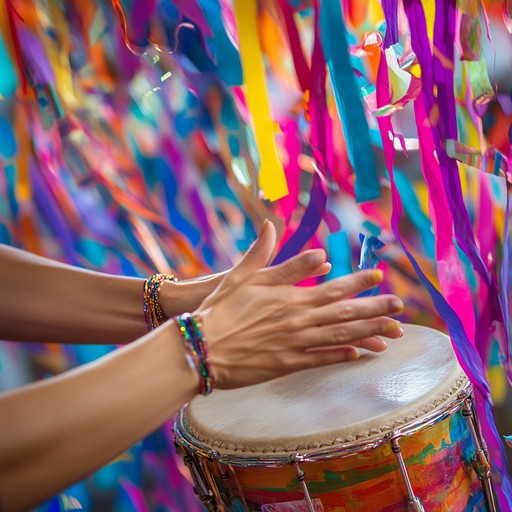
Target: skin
point(257, 324)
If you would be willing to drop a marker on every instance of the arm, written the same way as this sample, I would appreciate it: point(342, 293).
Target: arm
point(258, 326)
point(59, 430)
point(47, 301)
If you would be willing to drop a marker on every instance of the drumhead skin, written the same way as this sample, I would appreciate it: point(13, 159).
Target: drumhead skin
point(325, 407)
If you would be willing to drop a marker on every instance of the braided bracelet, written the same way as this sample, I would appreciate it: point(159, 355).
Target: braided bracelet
point(196, 350)
point(153, 313)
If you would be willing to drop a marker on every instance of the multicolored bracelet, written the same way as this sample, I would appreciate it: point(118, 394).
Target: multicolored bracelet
point(196, 350)
point(153, 313)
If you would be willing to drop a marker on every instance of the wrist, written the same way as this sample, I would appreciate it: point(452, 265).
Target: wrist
point(178, 297)
point(154, 315)
point(196, 350)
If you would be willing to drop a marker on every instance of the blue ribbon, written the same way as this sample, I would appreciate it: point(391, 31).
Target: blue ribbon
point(348, 101)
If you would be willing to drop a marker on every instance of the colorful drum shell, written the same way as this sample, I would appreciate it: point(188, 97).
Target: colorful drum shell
point(438, 461)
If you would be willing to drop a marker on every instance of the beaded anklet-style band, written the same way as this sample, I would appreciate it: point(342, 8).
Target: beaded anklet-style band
point(196, 350)
point(153, 313)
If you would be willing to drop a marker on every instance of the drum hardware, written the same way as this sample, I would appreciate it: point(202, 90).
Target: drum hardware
point(214, 456)
point(480, 461)
point(301, 477)
point(201, 488)
point(413, 502)
point(340, 450)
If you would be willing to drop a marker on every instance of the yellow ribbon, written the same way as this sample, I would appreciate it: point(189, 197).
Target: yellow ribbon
point(272, 180)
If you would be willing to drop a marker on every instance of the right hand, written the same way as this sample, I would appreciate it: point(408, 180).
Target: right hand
point(259, 326)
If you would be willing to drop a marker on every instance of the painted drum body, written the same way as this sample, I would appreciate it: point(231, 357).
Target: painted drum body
point(244, 447)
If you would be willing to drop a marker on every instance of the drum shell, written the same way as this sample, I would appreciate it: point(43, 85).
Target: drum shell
point(437, 457)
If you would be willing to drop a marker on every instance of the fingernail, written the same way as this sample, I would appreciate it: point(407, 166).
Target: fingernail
point(397, 304)
point(316, 257)
point(352, 356)
point(377, 274)
point(392, 325)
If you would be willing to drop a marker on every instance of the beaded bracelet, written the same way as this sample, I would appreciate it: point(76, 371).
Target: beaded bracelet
point(153, 313)
point(196, 350)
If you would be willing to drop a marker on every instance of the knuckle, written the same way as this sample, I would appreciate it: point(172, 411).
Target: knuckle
point(288, 269)
point(287, 360)
point(346, 311)
point(334, 291)
point(294, 322)
point(338, 334)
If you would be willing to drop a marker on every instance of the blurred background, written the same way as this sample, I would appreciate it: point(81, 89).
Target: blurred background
point(156, 136)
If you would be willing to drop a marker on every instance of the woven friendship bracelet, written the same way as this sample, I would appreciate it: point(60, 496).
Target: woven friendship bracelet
point(153, 313)
point(196, 350)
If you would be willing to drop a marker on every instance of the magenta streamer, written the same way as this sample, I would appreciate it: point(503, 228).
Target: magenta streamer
point(139, 24)
point(487, 242)
point(299, 61)
point(292, 169)
point(438, 72)
point(449, 266)
point(318, 99)
point(192, 10)
point(135, 495)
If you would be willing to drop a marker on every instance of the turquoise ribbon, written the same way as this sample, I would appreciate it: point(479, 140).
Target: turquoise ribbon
point(225, 53)
point(348, 101)
point(9, 81)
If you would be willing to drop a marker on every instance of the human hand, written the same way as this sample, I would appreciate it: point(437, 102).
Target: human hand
point(259, 326)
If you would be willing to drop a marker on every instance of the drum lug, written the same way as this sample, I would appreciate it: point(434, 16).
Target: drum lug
point(200, 485)
point(414, 504)
point(480, 461)
point(301, 477)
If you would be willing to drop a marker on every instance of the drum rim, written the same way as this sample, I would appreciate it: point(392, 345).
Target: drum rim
point(186, 439)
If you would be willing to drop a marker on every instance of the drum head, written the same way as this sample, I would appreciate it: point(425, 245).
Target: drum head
point(333, 405)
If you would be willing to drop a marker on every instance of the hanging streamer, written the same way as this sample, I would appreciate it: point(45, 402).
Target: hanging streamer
point(348, 100)
point(271, 178)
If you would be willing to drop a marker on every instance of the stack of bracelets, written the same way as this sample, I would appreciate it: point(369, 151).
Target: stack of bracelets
point(197, 352)
point(153, 313)
point(189, 327)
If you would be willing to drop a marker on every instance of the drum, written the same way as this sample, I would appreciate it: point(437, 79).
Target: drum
point(388, 432)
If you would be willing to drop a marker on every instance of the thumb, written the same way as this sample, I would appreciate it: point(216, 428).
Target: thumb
point(259, 254)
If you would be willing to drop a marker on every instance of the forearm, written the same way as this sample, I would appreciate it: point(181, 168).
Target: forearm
point(43, 300)
point(57, 431)
point(47, 301)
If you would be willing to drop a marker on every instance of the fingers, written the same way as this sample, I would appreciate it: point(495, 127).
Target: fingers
point(352, 309)
point(303, 360)
point(307, 264)
point(258, 255)
point(360, 333)
point(343, 287)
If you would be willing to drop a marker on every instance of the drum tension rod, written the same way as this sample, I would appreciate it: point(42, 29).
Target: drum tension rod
point(214, 456)
point(200, 487)
point(480, 461)
point(301, 477)
point(414, 504)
